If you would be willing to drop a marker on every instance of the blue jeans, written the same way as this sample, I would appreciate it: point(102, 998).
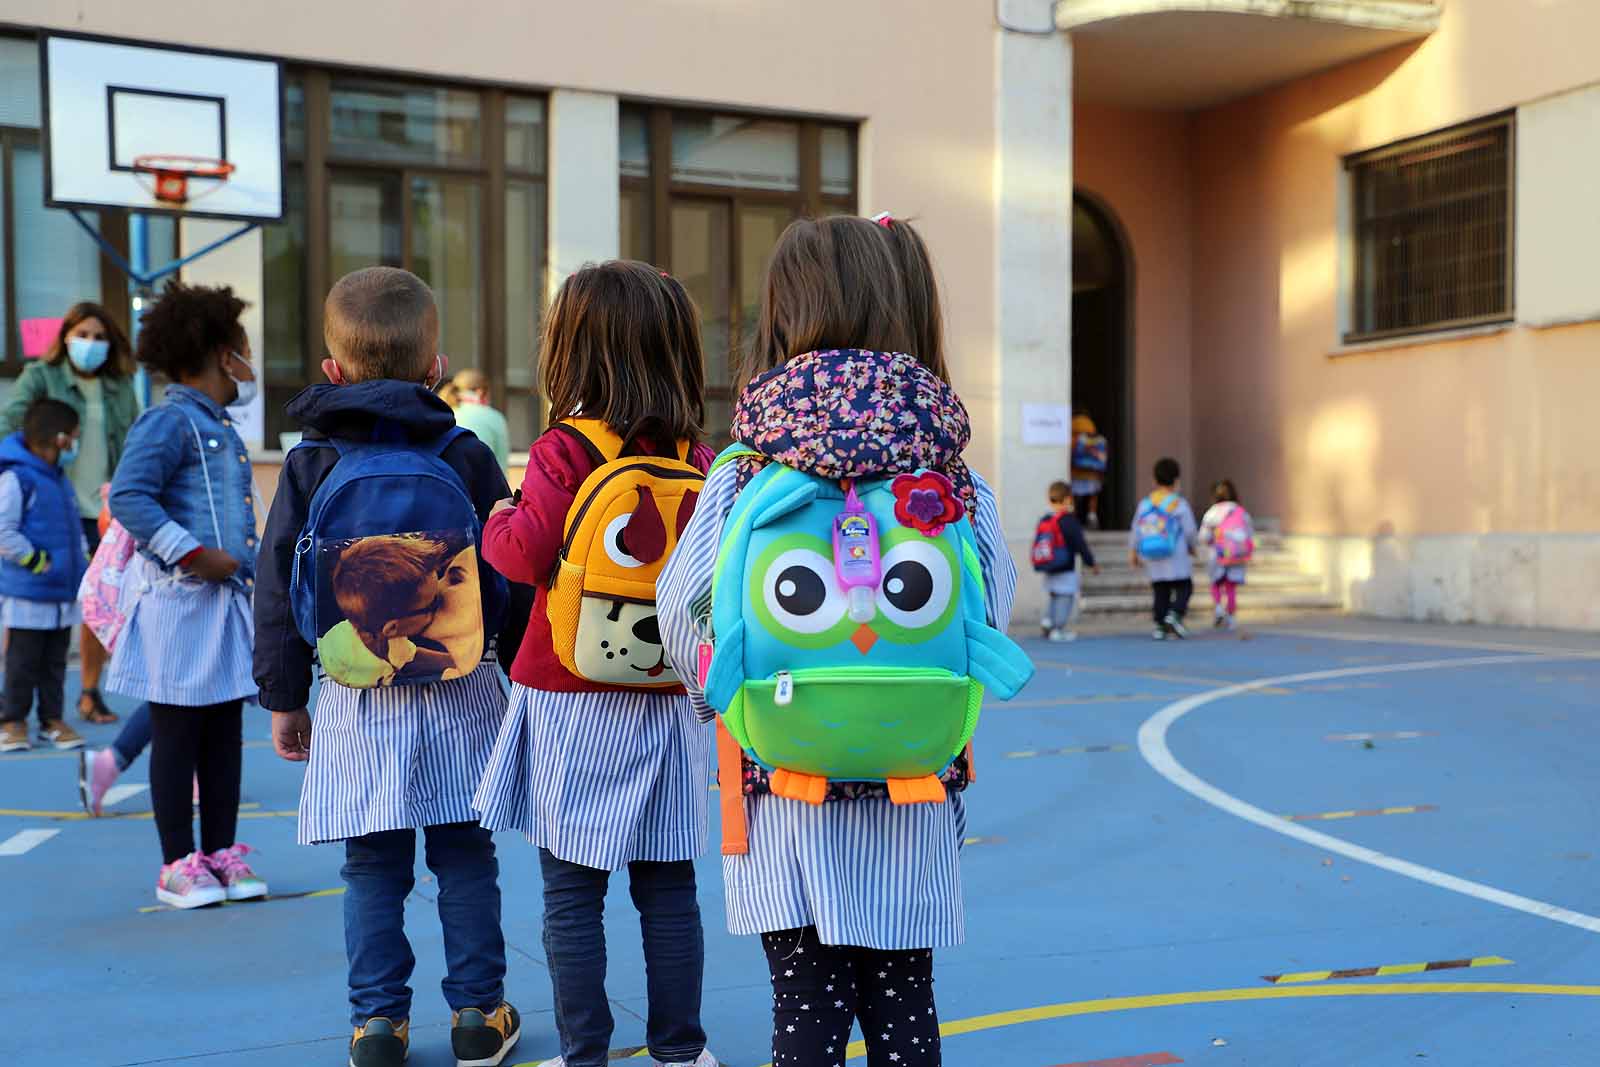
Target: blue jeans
point(133, 738)
point(379, 870)
point(575, 946)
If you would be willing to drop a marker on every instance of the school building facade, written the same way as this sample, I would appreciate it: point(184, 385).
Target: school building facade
point(1332, 249)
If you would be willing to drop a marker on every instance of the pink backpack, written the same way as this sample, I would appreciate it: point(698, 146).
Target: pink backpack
point(1235, 547)
point(100, 594)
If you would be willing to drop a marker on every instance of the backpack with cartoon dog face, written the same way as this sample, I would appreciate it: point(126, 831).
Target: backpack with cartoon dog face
point(621, 528)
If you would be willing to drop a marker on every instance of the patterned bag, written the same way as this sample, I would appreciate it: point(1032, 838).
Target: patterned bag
point(100, 594)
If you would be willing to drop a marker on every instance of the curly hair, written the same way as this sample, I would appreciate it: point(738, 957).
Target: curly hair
point(183, 328)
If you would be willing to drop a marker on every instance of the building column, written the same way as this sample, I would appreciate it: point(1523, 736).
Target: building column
point(1033, 277)
point(585, 193)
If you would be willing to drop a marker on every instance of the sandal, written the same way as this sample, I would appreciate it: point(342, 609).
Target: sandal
point(96, 712)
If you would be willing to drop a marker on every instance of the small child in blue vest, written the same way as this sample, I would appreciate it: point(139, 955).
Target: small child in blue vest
point(44, 557)
point(390, 753)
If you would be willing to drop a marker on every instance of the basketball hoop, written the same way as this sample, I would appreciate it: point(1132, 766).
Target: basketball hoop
point(170, 175)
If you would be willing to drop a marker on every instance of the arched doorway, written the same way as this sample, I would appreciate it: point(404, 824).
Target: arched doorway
point(1101, 346)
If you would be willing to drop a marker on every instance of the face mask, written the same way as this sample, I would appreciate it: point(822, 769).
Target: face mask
point(68, 454)
point(88, 356)
point(248, 387)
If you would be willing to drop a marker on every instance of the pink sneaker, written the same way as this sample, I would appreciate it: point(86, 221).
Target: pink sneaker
point(189, 883)
point(238, 880)
point(96, 774)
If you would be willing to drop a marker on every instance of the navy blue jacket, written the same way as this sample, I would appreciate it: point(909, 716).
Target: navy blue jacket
point(50, 521)
point(1077, 543)
point(283, 660)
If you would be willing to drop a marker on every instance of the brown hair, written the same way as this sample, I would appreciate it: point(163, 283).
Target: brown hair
point(377, 579)
point(924, 316)
point(1224, 491)
point(381, 322)
point(469, 380)
point(118, 364)
point(621, 343)
point(831, 283)
point(1060, 493)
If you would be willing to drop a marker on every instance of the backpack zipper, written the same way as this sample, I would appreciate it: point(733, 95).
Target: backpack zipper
point(783, 690)
point(648, 468)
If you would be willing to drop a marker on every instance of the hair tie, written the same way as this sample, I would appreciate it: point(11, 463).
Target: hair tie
point(884, 219)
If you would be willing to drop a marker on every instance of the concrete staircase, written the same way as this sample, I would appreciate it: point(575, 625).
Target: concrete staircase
point(1277, 585)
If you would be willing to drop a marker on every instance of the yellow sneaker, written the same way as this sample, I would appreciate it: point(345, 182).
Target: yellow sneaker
point(381, 1043)
point(484, 1039)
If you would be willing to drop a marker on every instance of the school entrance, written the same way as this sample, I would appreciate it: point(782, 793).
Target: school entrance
point(1101, 313)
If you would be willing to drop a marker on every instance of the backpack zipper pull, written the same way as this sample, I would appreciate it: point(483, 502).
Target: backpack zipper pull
point(784, 693)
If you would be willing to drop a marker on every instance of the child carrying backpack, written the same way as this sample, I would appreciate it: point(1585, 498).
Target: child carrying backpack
point(369, 568)
point(1058, 544)
point(840, 599)
point(600, 763)
point(1162, 541)
point(1228, 529)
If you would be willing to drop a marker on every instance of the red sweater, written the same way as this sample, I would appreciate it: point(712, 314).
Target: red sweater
point(523, 542)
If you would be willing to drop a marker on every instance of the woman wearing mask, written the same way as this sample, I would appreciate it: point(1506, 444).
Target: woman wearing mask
point(89, 366)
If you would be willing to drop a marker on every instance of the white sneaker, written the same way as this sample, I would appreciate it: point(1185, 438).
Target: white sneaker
point(1230, 622)
point(1062, 636)
point(705, 1059)
point(1175, 626)
point(1158, 634)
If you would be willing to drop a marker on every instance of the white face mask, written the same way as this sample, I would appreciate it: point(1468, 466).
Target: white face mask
point(248, 387)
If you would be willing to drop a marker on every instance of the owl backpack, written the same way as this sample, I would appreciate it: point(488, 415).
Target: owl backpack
point(851, 641)
point(619, 531)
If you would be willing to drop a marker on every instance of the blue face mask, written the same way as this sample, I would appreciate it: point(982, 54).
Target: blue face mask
point(88, 356)
point(68, 454)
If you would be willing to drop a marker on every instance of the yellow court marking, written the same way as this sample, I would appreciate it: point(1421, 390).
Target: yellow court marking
point(978, 1023)
point(1163, 676)
point(337, 891)
point(1388, 970)
point(1323, 816)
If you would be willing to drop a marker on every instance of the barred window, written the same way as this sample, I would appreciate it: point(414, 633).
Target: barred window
point(1433, 223)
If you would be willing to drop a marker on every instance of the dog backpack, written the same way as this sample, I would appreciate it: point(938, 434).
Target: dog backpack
point(1050, 552)
point(1235, 546)
point(385, 583)
point(850, 640)
point(1157, 528)
point(620, 530)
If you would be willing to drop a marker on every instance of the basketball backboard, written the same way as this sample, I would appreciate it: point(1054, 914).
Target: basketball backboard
point(110, 102)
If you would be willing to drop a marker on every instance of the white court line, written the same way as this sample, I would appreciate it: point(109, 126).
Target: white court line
point(1153, 747)
point(118, 793)
point(24, 841)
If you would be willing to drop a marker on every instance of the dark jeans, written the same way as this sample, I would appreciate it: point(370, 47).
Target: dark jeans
point(1172, 596)
point(133, 738)
point(379, 871)
point(819, 990)
point(575, 946)
point(36, 662)
point(188, 743)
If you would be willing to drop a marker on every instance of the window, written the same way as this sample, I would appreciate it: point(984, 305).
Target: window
point(1432, 232)
point(706, 195)
point(444, 181)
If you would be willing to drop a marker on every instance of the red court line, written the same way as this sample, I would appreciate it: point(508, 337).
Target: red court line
point(1149, 1059)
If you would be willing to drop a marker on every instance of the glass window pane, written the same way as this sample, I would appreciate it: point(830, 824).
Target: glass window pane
point(446, 236)
point(525, 134)
point(404, 123)
point(61, 264)
point(634, 149)
point(19, 82)
point(525, 252)
point(759, 227)
point(294, 114)
point(283, 260)
point(636, 224)
point(838, 162)
point(747, 153)
point(522, 420)
point(364, 220)
point(702, 261)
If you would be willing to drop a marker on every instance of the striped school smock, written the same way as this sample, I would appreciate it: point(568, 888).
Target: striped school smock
point(864, 872)
point(601, 779)
point(187, 641)
point(398, 757)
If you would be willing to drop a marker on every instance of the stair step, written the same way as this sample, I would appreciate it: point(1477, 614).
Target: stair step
point(1131, 603)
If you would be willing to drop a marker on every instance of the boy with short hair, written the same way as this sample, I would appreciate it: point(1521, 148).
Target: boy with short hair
point(1058, 545)
point(1162, 540)
point(394, 757)
point(42, 559)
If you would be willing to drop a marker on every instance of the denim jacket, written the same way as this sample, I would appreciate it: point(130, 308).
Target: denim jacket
point(170, 503)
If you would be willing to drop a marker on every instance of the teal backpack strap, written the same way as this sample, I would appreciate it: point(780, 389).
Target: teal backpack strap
point(732, 453)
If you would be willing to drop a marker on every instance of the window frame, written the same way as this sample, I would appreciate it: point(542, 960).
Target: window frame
point(1359, 281)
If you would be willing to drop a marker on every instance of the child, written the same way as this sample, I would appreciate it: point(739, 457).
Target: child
point(596, 775)
point(1163, 540)
point(848, 935)
point(388, 761)
point(45, 555)
point(1227, 528)
point(1058, 545)
point(1089, 461)
point(184, 492)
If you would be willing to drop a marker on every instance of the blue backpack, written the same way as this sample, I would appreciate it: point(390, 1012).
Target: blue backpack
point(385, 583)
point(1158, 531)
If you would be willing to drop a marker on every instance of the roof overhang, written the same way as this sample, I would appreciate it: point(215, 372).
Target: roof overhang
point(1192, 54)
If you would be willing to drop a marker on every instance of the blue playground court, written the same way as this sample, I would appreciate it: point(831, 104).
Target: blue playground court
point(1318, 845)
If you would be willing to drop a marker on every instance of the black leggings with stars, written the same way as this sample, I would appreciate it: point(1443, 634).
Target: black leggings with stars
point(819, 990)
